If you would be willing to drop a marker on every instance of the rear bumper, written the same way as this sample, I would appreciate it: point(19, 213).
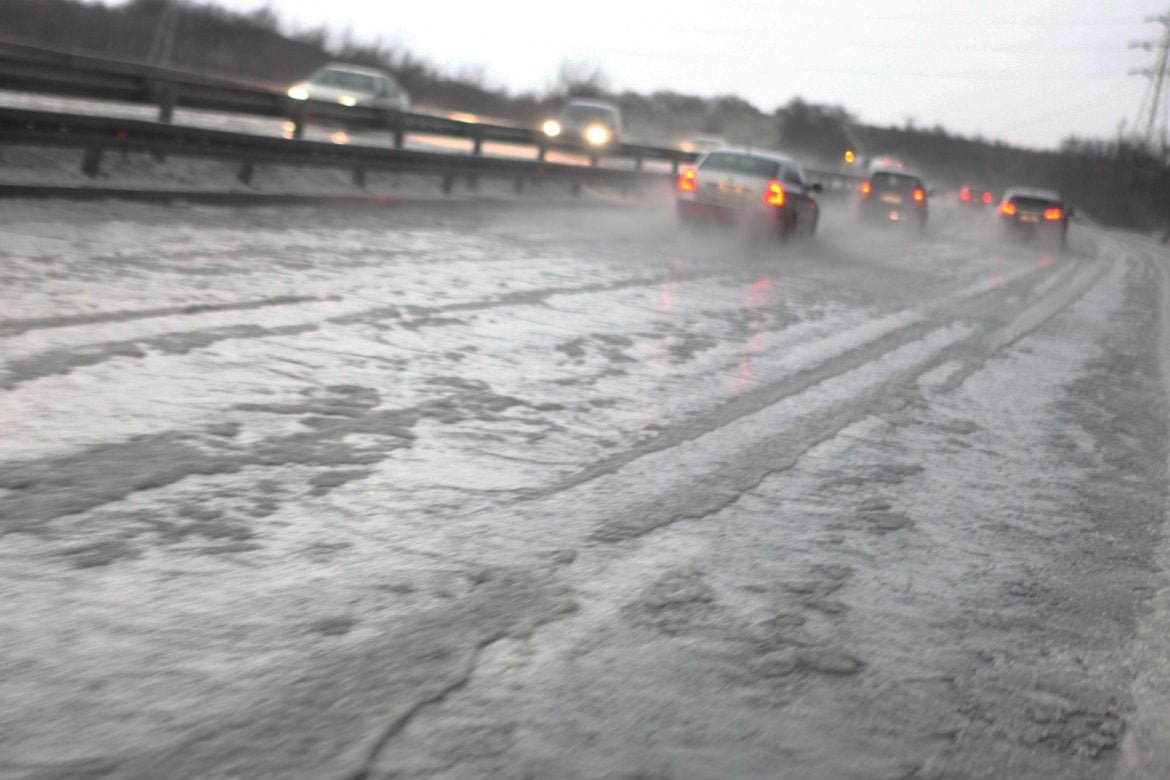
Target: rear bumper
point(761, 213)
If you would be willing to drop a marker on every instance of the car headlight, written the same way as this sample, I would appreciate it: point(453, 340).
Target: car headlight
point(347, 100)
point(298, 93)
point(551, 128)
point(597, 135)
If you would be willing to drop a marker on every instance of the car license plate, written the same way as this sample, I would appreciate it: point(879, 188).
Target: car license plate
point(891, 197)
point(1029, 218)
point(730, 191)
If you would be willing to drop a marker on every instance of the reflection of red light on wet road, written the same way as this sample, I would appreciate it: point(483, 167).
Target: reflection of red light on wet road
point(755, 298)
point(757, 293)
point(1043, 261)
point(666, 297)
point(997, 278)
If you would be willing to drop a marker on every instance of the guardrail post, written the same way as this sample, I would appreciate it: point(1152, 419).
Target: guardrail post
point(448, 184)
point(359, 177)
point(296, 115)
point(247, 169)
point(91, 163)
point(541, 151)
point(476, 143)
point(167, 99)
point(399, 132)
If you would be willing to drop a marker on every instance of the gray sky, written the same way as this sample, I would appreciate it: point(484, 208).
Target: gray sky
point(1027, 73)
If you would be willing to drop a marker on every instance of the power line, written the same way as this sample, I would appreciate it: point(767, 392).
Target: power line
point(1152, 111)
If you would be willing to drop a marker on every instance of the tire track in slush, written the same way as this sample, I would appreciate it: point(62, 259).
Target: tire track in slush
point(736, 475)
point(65, 359)
point(759, 398)
point(16, 327)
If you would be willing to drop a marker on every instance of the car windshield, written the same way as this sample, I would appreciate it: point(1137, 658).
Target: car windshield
point(586, 114)
point(345, 79)
point(894, 181)
point(1027, 202)
point(740, 163)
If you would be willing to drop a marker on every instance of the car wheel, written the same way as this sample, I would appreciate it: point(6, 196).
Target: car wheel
point(787, 228)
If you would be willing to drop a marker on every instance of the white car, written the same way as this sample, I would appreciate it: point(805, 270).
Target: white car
point(593, 122)
point(732, 185)
point(351, 85)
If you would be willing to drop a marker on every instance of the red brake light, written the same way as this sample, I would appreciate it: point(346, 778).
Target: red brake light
point(919, 195)
point(865, 189)
point(987, 197)
point(965, 194)
point(1053, 214)
point(774, 195)
point(1007, 208)
point(686, 180)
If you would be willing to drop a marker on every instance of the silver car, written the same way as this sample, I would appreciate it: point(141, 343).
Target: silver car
point(746, 184)
point(351, 85)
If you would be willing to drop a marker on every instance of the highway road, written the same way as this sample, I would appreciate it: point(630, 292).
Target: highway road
point(572, 492)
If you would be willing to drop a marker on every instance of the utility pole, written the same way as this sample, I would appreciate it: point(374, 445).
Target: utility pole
point(1151, 119)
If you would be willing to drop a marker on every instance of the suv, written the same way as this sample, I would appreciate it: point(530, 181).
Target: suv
point(1025, 210)
point(747, 184)
point(893, 195)
point(351, 85)
point(593, 122)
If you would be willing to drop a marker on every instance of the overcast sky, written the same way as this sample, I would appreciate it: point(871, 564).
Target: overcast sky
point(1030, 73)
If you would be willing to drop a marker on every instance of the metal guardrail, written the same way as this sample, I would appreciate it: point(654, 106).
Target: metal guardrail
point(33, 68)
point(42, 69)
point(98, 135)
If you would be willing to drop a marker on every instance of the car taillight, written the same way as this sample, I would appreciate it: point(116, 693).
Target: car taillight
point(919, 195)
point(1007, 208)
point(987, 197)
point(774, 194)
point(965, 194)
point(686, 180)
point(1052, 215)
point(865, 189)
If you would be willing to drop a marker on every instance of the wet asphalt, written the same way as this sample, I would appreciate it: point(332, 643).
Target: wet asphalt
point(574, 491)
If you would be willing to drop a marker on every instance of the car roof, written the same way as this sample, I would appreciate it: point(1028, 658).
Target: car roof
point(352, 69)
point(592, 104)
point(1033, 192)
point(761, 153)
point(884, 169)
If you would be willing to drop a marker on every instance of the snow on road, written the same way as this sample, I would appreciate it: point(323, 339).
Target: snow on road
point(566, 492)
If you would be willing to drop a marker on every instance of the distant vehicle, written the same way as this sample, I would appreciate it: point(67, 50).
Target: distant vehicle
point(893, 195)
point(351, 85)
point(975, 195)
point(880, 162)
point(1026, 210)
point(593, 122)
point(741, 184)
